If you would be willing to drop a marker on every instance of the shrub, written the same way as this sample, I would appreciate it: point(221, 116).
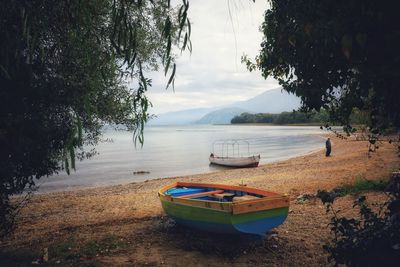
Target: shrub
point(372, 240)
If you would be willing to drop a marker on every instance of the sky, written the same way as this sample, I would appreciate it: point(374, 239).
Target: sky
point(212, 75)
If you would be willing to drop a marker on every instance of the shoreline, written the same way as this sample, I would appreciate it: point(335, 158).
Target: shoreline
point(132, 213)
point(223, 169)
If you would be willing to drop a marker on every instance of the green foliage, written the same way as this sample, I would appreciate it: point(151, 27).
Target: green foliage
point(64, 73)
point(335, 55)
point(359, 117)
point(371, 240)
point(19, 257)
point(283, 118)
point(341, 55)
point(360, 185)
point(67, 253)
point(73, 252)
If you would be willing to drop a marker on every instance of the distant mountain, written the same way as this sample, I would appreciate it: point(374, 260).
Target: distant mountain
point(221, 116)
point(187, 116)
point(271, 101)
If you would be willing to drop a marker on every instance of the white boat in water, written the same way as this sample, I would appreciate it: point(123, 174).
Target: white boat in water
point(231, 156)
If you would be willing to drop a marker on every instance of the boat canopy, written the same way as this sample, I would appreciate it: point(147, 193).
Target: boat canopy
point(231, 147)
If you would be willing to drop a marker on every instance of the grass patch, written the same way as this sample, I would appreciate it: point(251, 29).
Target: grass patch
point(106, 245)
point(67, 253)
point(361, 184)
point(86, 253)
point(20, 257)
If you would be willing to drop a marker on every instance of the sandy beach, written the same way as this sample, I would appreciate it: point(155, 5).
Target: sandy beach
point(124, 225)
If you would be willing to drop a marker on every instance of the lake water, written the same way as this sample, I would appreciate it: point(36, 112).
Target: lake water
point(179, 150)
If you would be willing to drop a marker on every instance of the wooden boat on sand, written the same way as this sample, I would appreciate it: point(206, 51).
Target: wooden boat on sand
point(230, 154)
point(224, 208)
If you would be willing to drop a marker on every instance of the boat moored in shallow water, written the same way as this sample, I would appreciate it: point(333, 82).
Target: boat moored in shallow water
point(224, 208)
point(231, 156)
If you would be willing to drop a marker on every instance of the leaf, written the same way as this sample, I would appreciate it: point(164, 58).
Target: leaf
point(167, 66)
point(168, 49)
point(167, 27)
point(185, 39)
point(189, 27)
point(183, 18)
point(172, 77)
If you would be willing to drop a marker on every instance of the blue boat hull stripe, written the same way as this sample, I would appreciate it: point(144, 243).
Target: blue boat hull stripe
point(258, 227)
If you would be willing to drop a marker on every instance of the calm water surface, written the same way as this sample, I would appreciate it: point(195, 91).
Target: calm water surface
point(180, 150)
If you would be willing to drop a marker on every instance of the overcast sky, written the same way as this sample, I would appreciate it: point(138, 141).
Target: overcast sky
point(213, 74)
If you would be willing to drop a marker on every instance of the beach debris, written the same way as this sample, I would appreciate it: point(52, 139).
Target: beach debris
point(272, 237)
point(141, 172)
point(242, 184)
point(45, 256)
point(305, 198)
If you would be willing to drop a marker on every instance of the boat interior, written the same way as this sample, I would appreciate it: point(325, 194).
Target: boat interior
point(211, 194)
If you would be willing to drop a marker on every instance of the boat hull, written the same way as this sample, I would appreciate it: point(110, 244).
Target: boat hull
point(251, 217)
point(242, 162)
point(256, 223)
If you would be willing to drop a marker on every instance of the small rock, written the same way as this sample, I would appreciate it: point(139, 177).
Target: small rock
point(306, 197)
point(141, 172)
point(272, 237)
point(45, 255)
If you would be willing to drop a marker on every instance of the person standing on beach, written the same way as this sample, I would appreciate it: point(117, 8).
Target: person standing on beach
point(328, 146)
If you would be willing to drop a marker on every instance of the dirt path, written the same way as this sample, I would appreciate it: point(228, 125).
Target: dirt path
point(124, 225)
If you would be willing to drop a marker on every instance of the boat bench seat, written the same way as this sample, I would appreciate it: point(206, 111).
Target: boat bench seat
point(244, 198)
point(202, 194)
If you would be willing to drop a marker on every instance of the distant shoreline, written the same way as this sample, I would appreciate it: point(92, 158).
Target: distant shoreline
point(272, 124)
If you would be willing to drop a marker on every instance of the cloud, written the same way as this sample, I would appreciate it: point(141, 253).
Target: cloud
point(222, 31)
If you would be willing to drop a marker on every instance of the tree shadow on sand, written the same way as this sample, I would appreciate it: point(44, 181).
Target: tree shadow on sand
point(222, 245)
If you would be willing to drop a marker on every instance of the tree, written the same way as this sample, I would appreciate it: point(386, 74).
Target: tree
point(335, 55)
point(341, 55)
point(64, 67)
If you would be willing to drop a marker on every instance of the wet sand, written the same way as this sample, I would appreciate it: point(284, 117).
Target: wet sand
point(131, 214)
